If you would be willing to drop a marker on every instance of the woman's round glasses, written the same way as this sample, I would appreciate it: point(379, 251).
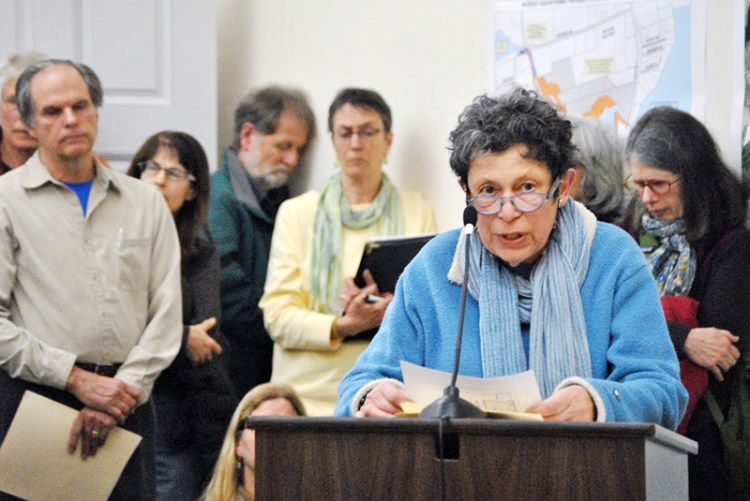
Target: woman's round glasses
point(365, 134)
point(657, 186)
point(528, 201)
point(151, 169)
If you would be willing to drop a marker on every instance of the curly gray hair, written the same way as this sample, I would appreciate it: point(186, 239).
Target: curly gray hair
point(520, 117)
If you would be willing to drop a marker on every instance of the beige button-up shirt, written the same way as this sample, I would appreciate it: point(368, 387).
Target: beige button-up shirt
point(100, 288)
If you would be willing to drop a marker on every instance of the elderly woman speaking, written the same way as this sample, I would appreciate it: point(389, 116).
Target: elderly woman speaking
point(550, 288)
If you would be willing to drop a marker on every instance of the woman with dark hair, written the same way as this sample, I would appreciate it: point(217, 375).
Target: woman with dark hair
point(546, 291)
point(193, 398)
point(311, 306)
point(697, 246)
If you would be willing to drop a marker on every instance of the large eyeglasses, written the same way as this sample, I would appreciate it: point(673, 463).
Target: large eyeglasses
point(364, 134)
point(528, 201)
point(151, 169)
point(657, 186)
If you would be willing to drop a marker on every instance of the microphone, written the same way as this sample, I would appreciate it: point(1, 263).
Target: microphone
point(450, 405)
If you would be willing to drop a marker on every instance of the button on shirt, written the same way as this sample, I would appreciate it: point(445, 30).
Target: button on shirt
point(101, 288)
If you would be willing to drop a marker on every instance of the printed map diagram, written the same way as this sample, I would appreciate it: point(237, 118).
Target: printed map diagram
point(610, 59)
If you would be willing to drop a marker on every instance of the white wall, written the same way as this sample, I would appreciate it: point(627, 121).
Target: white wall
point(428, 58)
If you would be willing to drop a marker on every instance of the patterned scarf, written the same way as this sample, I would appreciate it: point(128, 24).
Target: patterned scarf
point(674, 261)
point(549, 301)
point(333, 212)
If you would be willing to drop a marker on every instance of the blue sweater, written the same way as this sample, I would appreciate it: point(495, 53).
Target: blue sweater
point(634, 366)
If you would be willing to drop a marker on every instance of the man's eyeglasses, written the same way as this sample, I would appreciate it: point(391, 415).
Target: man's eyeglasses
point(528, 201)
point(364, 134)
point(657, 186)
point(151, 169)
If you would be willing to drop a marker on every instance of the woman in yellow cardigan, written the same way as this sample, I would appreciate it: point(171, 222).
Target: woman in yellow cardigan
point(311, 306)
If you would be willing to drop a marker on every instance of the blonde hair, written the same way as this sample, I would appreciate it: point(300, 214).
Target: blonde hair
point(224, 481)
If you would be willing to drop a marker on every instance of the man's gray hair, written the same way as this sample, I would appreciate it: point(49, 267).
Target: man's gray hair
point(16, 64)
point(263, 108)
point(24, 99)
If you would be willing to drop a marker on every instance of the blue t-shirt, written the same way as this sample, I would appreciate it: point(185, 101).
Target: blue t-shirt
point(82, 190)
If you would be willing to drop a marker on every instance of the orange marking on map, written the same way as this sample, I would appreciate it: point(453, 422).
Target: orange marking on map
point(600, 105)
point(552, 90)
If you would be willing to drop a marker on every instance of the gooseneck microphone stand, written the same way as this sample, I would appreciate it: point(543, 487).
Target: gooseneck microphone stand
point(451, 405)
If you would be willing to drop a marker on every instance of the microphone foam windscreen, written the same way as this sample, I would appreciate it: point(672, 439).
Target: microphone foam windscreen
point(470, 215)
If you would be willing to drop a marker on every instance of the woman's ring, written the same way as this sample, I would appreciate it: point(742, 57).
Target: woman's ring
point(95, 433)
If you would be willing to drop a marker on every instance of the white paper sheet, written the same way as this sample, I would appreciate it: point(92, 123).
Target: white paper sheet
point(514, 393)
point(34, 459)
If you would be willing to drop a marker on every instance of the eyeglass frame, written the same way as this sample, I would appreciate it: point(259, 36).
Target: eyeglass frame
point(365, 134)
point(543, 197)
point(144, 166)
point(642, 185)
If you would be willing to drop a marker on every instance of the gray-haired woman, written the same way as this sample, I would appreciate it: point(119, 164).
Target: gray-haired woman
point(598, 162)
point(550, 288)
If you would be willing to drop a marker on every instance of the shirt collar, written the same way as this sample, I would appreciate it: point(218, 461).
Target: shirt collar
point(36, 175)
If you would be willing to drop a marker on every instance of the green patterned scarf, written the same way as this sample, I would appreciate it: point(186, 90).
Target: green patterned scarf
point(333, 212)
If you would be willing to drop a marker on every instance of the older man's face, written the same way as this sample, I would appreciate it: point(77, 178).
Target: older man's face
point(271, 158)
point(15, 132)
point(65, 119)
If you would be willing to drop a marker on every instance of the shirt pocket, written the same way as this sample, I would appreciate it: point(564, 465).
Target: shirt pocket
point(133, 260)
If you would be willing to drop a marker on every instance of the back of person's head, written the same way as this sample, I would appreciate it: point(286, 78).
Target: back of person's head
point(600, 154)
point(520, 117)
point(263, 108)
point(25, 101)
point(192, 216)
point(713, 198)
point(363, 99)
point(16, 64)
point(226, 477)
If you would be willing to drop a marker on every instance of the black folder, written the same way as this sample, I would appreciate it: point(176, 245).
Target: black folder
point(386, 258)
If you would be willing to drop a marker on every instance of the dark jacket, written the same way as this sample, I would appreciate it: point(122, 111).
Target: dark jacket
point(722, 287)
point(242, 232)
point(205, 396)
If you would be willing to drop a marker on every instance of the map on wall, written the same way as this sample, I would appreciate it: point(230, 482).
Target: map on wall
point(609, 59)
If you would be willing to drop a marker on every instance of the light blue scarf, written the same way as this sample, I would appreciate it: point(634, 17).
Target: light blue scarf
point(674, 261)
point(550, 302)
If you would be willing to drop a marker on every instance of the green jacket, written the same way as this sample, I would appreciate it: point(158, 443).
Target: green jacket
point(242, 233)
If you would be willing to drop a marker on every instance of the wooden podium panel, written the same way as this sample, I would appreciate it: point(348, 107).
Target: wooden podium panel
point(396, 459)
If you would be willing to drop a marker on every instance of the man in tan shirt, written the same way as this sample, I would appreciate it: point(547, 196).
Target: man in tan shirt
point(90, 307)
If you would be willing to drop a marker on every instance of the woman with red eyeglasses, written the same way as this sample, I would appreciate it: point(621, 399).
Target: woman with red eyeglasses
point(692, 231)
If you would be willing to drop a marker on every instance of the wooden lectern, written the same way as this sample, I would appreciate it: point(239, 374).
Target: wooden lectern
point(397, 459)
